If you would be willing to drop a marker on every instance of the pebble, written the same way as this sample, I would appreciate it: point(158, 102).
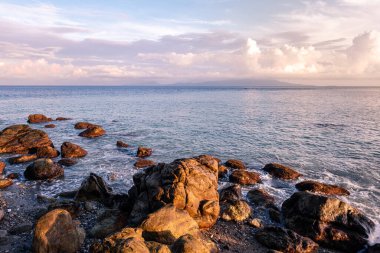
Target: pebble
point(256, 223)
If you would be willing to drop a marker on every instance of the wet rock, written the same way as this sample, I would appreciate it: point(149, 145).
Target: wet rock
point(110, 221)
point(189, 183)
point(260, 197)
point(2, 167)
point(43, 169)
point(47, 152)
point(168, 224)
point(318, 187)
point(245, 177)
point(256, 223)
point(21, 228)
point(38, 118)
point(281, 171)
point(62, 119)
point(285, 240)
point(4, 183)
point(142, 163)
point(23, 159)
point(50, 126)
point(156, 247)
point(122, 144)
point(374, 248)
point(144, 152)
point(72, 207)
point(236, 164)
point(94, 188)
point(328, 221)
point(222, 171)
point(22, 138)
point(93, 132)
point(68, 162)
point(274, 215)
point(194, 244)
point(13, 176)
point(71, 150)
point(236, 211)
point(230, 193)
point(83, 125)
point(56, 232)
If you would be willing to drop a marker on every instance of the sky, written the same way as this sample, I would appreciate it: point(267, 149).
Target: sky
point(120, 42)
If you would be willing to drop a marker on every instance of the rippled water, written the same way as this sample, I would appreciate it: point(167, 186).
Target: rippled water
point(327, 134)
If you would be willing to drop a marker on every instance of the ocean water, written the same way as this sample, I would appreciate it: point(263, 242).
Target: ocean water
point(328, 134)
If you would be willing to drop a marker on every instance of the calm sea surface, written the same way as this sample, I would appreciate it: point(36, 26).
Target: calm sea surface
point(332, 135)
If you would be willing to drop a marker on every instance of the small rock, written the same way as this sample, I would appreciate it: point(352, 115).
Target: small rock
point(142, 163)
point(260, 197)
point(93, 132)
point(122, 144)
point(83, 125)
point(222, 171)
point(317, 187)
point(90, 206)
point(245, 177)
point(144, 152)
point(47, 152)
point(38, 118)
point(62, 119)
point(21, 228)
point(281, 171)
point(4, 183)
point(236, 211)
point(256, 223)
point(43, 169)
point(236, 164)
point(71, 150)
point(94, 188)
point(2, 167)
point(50, 126)
point(13, 176)
point(68, 162)
point(22, 159)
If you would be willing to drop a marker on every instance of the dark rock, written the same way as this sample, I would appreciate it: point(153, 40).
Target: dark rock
point(47, 152)
point(285, 240)
point(4, 183)
point(281, 171)
point(23, 159)
point(109, 222)
point(50, 126)
point(2, 167)
point(190, 184)
point(236, 211)
point(22, 138)
point(94, 188)
point(194, 244)
point(83, 125)
point(328, 221)
point(230, 193)
point(245, 177)
point(222, 171)
point(236, 164)
point(317, 187)
point(93, 132)
point(274, 215)
point(38, 118)
point(21, 228)
point(13, 176)
point(260, 197)
point(62, 119)
point(142, 163)
point(43, 169)
point(144, 152)
point(72, 207)
point(68, 162)
point(374, 248)
point(122, 144)
point(71, 150)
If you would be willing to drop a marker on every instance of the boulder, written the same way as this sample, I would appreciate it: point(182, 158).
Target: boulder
point(109, 222)
point(245, 177)
point(56, 232)
point(50, 126)
point(2, 167)
point(328, 221)
point(236, 211)
point(23, 159)
point(4, 183)
point(94, 188)
point(93, 132)
point(83, 125)
point(62, 119)
point(285, 240)
point(122, 144)
point(317, 187)
point(71, 150)
point(189, 183)
point(22, 139)
point(230, 193)
point(38, 118)
point(194, 244)
point(236, 164)
point(168, 224)
point(156, 247)
point(142, 163)
point(68, 162)
point(260, 197)
point(144, 152)
point(281, 171)
point(71, 206)
point(43, 169)
point(47, 152)
point(222, 171)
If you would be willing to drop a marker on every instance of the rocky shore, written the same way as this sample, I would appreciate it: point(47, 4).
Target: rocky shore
point(195, 204)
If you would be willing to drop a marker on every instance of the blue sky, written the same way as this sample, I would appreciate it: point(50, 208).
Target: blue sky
point(132, 42)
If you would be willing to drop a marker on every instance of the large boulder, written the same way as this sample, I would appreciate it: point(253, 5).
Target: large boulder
point(190, 184)
point(236, 164)
point(38, 118)
point(194, 244)
point(318, 187)
point(47, 152)
point(328, 221)
point(43, 169)
point(22, 139)
point(93, 132)
point(260, 197)
point(245, 177)
point(285, 240)
point(94, 188)
point(281, 171)
point(71, 150)
point(168, 224)
point(56, 232)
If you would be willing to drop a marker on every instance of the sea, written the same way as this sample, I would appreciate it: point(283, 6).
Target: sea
point(329, 134)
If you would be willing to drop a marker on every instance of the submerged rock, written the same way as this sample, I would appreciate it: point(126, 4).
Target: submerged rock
point(190, 184)
point(93, 132)
point(236, 164)
point(285, 240)
point(22, 139)
point(318, 187)
point(23, 159)
point(281, 171)
point(94, 188)
point(47, 152)
point(236, 211)
point(144, 152)
point(142, 163)
point(71, 150)
point(194, 244)
point(83, 125)
point(4, 183)
point(43, 169)
point(122, 144)
point(328, 221)
point(38, 118)
point(56, 232)
point(245, 177)
point(62, 119)
point(50, 126)
point(68, 162)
